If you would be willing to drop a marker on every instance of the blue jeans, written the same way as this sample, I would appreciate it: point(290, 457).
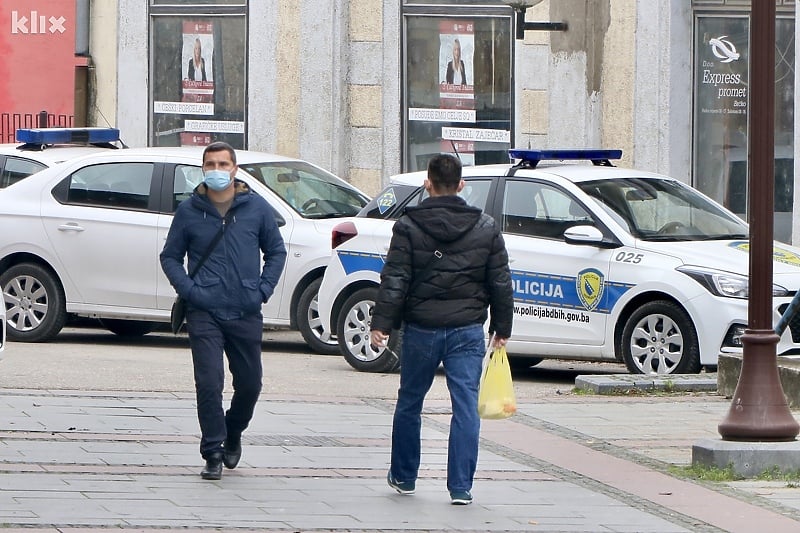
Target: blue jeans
point(461, 352)
point(240, 340)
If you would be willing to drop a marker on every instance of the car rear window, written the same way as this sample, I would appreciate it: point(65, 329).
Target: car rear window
point(16, 169)
point(110, 185)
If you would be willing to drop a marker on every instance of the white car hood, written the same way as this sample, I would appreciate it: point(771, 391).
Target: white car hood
point(731, 256)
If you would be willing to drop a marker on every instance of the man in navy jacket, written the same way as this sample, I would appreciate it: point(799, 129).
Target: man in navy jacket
point(224, 297)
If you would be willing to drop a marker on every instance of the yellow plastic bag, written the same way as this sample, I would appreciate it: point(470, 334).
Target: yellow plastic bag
point(496, 394)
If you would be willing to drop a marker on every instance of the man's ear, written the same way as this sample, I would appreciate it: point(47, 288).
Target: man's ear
point(461, 185)
point(427, 184)
point(234, 171)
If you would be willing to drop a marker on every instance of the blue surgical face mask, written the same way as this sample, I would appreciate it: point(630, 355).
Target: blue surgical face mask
point(217, 180)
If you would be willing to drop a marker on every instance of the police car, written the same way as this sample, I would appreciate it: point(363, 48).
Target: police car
point(608, 264)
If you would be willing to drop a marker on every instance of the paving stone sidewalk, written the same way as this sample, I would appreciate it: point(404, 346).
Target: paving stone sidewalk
point(78, 461)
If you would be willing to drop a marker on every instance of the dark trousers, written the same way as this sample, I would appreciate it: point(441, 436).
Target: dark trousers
point(240, 339)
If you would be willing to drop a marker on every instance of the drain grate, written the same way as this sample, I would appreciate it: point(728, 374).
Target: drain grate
point(291, 440)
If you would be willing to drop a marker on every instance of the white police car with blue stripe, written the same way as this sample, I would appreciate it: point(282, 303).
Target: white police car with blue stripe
point(608, 264)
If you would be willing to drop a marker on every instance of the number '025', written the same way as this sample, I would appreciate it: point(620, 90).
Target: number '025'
point(629, 257)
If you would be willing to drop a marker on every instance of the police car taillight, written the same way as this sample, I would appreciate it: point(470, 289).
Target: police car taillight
point(43, 136)
point(341, 233)
point(531, 158)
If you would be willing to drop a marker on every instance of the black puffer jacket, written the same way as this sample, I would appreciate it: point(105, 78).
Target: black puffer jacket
point(455, 289)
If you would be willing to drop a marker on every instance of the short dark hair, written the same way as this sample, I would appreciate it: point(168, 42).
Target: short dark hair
point(219, 146)
point(444, 172)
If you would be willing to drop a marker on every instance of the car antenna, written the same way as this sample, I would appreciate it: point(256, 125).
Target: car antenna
point(109, 125)
point(455, 150)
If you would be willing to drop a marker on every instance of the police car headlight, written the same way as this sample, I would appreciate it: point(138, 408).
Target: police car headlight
point(721, 283)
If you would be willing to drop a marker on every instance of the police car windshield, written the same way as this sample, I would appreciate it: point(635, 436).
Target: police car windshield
point(309, 190)
point(657, 209)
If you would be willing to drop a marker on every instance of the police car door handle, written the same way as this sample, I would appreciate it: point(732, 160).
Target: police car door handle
point(70, 226)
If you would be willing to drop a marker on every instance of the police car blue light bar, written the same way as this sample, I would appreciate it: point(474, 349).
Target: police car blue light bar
point(532, 157)
point(67, 135)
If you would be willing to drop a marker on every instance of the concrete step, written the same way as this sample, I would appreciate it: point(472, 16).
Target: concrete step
point(730, 366)
point(622, 383)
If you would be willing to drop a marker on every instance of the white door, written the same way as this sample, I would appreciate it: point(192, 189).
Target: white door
point(105, 235)
point(560, 292)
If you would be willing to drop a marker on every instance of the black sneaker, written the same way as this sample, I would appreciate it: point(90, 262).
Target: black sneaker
point(403, 487)
point(460, 497)
point(232, 452)
point(213, 468)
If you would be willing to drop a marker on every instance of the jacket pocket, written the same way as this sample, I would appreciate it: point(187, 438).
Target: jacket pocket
point(252, 294)
point(204, 293)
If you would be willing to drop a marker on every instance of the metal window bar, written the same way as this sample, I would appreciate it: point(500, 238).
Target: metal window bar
point(11, 122)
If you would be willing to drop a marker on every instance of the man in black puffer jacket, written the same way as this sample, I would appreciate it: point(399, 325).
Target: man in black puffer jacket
point(447, 267)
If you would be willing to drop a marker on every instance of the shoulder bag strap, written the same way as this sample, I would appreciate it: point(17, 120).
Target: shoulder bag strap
point(211, 246)
point(437, 254)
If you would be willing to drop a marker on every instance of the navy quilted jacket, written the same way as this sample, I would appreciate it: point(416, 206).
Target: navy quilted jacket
point(231, 282)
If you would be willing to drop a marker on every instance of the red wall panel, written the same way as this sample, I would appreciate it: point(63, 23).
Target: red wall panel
point(37, 56)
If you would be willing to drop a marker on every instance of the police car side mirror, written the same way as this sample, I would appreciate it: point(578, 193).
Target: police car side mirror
point(587, 235)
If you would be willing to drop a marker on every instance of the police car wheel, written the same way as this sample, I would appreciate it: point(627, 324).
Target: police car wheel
point(659, 338)
point(35, 303)
point(352, 331)
point(310, 325)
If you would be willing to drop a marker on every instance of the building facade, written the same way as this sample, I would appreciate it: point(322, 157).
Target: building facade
point(369, 88)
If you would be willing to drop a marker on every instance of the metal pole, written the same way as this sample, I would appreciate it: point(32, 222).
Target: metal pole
point(759, 411)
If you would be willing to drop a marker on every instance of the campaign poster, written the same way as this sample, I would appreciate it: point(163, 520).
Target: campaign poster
point(457, 85)
point(197, 85)
point(456, 53)
point(198, 62)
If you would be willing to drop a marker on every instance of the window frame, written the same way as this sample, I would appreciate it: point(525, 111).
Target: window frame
point(61, 192)
point(192, 10)
point(445, 11)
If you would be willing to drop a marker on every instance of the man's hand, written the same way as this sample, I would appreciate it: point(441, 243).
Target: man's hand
point(499, 342)
point(378, 339)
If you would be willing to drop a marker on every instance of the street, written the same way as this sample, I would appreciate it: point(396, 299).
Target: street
point(97, 360)
point(96, 424)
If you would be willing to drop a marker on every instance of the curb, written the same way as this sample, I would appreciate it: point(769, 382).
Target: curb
point(620, 383)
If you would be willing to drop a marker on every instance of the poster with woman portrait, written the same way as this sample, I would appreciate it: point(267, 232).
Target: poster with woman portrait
point(198, 62)
point(456, 52)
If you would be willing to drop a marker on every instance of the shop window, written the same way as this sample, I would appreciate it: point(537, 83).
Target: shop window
point(457, 85)
point(198, 70)
point(721, 106)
